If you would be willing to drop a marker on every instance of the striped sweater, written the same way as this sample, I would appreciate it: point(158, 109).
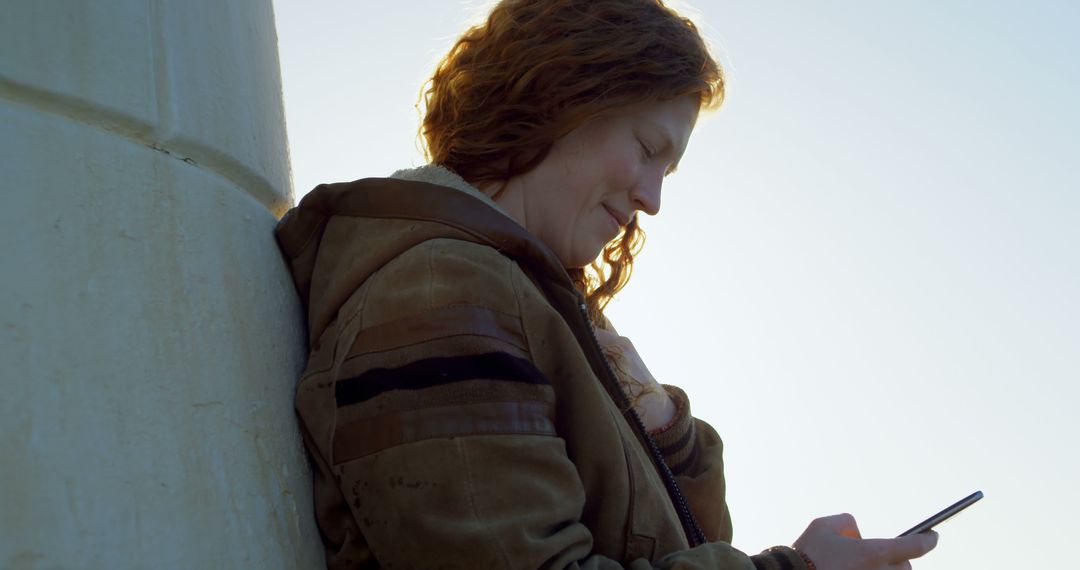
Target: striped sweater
point(458, 410)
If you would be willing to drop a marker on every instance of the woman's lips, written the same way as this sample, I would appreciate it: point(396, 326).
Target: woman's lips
point(614, 219)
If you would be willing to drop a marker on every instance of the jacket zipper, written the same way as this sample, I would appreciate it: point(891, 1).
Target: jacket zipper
point(694, 535)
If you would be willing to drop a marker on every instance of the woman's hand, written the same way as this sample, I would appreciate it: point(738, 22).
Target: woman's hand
point(834, 543)
point(651, 402)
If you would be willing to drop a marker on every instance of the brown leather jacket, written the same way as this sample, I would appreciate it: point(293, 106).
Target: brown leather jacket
point(458, 410)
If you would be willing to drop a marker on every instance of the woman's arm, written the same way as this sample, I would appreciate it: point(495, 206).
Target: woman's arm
point(694, 452)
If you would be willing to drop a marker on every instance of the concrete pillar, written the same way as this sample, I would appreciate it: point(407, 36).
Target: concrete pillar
point(150, 336)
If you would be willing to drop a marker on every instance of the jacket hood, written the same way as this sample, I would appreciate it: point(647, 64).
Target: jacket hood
point(340, 234)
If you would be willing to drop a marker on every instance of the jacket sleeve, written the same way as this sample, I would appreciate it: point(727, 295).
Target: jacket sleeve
point(695, 453)
point(444, 448)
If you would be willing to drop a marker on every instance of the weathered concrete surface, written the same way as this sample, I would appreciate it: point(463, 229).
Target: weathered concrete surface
point(149, 333)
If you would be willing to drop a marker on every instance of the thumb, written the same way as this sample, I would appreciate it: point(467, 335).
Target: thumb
point(911, 546)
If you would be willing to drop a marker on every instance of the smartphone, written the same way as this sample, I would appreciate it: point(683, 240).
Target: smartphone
point(945, 514)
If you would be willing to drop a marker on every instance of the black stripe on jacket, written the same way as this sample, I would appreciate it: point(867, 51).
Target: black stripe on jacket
point(437, 371)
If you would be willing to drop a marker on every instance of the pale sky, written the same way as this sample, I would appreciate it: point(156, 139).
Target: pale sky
point(866, 272)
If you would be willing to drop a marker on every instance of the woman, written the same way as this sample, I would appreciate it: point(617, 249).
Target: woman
point(465, 403)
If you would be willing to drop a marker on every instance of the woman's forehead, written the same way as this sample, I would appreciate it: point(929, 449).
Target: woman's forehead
point(680, 111)
point(673, 119)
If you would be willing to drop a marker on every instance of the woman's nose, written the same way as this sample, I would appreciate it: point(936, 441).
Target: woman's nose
point(646, 194)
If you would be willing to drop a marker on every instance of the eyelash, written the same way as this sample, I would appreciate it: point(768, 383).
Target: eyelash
point(646, 153)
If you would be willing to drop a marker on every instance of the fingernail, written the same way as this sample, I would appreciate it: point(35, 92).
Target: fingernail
point(932, 538)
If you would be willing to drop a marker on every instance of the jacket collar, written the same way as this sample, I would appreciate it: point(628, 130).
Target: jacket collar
point(438, 174)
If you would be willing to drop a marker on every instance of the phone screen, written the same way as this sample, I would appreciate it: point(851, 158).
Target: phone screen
point(945, 514)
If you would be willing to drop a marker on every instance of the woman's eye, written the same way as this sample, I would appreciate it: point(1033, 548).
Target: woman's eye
point(646, 153)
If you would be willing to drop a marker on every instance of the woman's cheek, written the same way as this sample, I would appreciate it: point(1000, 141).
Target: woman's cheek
point(624, 170)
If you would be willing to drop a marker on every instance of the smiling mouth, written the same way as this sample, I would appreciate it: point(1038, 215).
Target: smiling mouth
point(614, 219)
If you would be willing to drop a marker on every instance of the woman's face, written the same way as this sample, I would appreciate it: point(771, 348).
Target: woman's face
point(597, 177)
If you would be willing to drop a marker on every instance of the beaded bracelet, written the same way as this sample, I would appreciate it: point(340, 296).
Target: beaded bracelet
point(809, 563)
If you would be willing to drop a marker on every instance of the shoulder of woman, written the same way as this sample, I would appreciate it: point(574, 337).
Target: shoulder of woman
point(444, 272)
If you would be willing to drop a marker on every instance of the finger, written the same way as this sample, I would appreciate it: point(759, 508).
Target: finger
point(843, 524)
point(918, 544)
point(896, 550)
point(905, 565)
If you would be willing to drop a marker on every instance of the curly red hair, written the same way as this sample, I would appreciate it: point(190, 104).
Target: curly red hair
point(536, 70)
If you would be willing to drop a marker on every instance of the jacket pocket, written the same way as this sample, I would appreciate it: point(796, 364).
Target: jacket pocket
point(653, 529)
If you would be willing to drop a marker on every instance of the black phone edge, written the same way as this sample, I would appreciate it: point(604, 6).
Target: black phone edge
point(944, 514)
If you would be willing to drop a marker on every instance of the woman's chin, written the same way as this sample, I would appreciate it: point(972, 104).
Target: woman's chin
point(581, 260)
